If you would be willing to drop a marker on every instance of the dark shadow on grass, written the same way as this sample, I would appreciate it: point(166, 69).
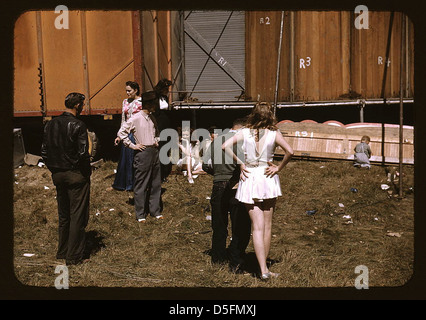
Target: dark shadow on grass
point(94, 242)
point(250, 264)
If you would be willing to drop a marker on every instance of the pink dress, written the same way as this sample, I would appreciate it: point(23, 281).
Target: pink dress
point(124, 178)
point(130, 108)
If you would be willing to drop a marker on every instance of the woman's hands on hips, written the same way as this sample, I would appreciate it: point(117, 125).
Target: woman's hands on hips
point(271, 170)
point(243, 172)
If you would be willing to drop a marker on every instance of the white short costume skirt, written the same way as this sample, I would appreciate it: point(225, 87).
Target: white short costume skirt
point(257, 186)
point(196, 165)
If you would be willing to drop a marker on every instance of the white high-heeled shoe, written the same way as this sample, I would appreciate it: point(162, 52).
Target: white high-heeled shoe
point(269, 275)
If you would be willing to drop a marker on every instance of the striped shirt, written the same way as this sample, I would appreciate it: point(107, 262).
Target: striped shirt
point(143, 126)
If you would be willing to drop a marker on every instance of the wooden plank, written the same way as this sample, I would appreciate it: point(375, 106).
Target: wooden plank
point(177, 55)
point(322, 55)
point(345, 52)
point(369, 54)
point(137, 46)
point(111, 55)
point(262, 42)
point(62, 50)
point(150, 61)
point(163, 51)
point(326, 141)
point(26, 93)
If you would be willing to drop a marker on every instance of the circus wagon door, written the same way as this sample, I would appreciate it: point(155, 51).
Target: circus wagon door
point(214, 56)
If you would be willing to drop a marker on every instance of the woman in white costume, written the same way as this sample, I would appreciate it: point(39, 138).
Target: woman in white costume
point(259, 184)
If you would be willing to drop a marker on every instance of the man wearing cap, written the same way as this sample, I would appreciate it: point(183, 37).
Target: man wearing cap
point(147, 185)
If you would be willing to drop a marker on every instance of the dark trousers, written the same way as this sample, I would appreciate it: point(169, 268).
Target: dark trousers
point(147, 183)
point(223, 202)
point(165, 169)
point(73, 195)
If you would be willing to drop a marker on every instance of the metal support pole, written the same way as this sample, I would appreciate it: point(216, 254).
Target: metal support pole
point(361, 111)
point(279, 63)
point(85, 61)
point(249, 105)
point(43, 105)
point(401, 105)
point(156, 75)
point(292, 56)
point(182, 83)
point(383, 93)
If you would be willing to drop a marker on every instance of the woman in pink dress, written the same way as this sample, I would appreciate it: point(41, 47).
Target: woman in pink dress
point(132, 105)
point(259, 184)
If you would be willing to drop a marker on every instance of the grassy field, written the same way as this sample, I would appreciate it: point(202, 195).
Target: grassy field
point(367, 226)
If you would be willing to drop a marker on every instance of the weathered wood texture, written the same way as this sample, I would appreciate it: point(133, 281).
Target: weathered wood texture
point(323, 58)
point(326, 56)
point(323, 140)
point(79, 59)
point(322, 55)
point(368, 57)
point(156, 47)
point(110, 57)
point(26, 61)
point(262, 42)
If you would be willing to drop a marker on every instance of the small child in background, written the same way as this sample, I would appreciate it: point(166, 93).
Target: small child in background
point(363, 153)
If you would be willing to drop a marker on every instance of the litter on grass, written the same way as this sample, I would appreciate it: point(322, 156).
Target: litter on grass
point(29, 254)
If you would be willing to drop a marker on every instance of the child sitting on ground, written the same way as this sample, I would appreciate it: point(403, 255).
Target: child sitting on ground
point(363, 153)
point(190, 163)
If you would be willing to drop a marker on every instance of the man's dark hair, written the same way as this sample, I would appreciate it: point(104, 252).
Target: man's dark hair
point(240, 121)
point(73, 99)
point(212, 129)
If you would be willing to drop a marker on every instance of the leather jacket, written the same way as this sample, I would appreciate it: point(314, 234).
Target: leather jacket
point(65, 145)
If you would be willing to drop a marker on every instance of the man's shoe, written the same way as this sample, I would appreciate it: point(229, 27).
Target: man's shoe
point(142, 220)
point(235, 269)
point(160, 217)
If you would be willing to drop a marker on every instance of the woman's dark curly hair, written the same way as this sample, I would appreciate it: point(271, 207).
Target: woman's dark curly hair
point(262, 117)
point(135, 86)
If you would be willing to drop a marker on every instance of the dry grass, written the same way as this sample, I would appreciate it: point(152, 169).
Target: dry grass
point(320, 250)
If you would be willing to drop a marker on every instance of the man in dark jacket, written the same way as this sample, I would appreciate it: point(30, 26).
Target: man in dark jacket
point(65, 152)
point(226, 174)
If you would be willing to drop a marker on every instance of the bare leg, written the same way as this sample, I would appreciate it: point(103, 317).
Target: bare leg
point(268, 210)
point(189, 169)
point(258, 231)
